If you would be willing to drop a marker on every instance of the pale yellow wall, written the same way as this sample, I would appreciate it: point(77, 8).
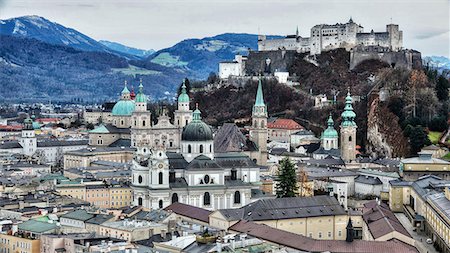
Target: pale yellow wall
point(425, 167)
point(75, 191)
point(73, 160)
point(14, 244)
point(120, 197)
point(98, 197)
point(323, 228)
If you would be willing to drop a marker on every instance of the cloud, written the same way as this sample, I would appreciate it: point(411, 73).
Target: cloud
point(430, 35)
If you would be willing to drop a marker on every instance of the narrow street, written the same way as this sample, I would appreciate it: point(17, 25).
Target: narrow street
point(421, 244)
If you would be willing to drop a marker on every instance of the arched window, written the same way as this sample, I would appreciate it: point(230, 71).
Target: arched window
point(160, 203)
point(186, 122)
point(140, 179)
point(139, 201)
point(174, 198)
point(255, 123)
point(237, 197)
point(206, 199)
point(189, 149)
point(350, 138)
point(262, 123)
point(121, 122)
point(201, 148)
point(210, 148)
point(160, 178)
point(143, 123)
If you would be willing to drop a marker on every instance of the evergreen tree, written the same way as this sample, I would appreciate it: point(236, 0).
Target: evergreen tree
point(442, 87)
point(418, 138)
point(287, 179)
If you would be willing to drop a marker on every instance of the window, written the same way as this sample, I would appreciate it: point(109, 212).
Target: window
point(189, 149)
point(206, 199)
point(139, 201)
point(206, 179)
point(160, 203)
point(233, 174)
point(174, 198)
point(350, 138)
point(237, 197)
point(320, 234)
point(143, 123)
point(140, 179)
point(160, 178)
point(201, 148)
point(329, 234)
point(339, 233)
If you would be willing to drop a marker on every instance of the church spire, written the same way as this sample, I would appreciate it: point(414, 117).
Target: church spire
point(259, 109)
point(196, 116)
point(140, 97)
point(348, 116)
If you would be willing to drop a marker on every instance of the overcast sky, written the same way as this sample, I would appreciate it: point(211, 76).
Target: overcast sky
point(159, 24)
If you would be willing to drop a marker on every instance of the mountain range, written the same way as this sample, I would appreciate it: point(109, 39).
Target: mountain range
point(37, 55)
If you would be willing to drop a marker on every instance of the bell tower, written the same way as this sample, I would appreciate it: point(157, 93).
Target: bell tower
point(183, 115)
point(140, 120)
point(28, 139)
point(258, 132)
point(348, 131)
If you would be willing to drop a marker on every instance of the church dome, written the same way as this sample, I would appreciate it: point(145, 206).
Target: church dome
point(123, 108)
point(330, 132)
point(197, 130)
point(183, 97)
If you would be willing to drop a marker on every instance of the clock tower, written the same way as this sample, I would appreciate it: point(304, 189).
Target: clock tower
point(159, 169)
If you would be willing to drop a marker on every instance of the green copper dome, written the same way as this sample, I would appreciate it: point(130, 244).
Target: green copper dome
point(348, 116)
point(330, 132)
point(36, 125)
point(140, 97)
point(123, 108)
point(183, 97)
point(197, 130)
point(125, 90)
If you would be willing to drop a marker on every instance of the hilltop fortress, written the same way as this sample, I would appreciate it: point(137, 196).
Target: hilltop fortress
point(327, 37)
point(274, 56)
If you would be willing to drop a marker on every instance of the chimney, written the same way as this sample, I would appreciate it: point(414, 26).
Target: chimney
point(232, 243)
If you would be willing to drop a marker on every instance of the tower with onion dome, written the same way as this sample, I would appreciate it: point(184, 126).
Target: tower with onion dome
point(122, 110)
point(183, 115)
point(330, 136)
point(348, 131)
point(140, 120)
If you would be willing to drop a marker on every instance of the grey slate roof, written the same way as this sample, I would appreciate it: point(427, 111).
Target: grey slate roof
point(121, 143)
point(62, 143)
point(230, 139)
point(176, 160)
point(286, 208)
point(80, 214)
point(332, 152)
point(368, 180)
point(203, 162)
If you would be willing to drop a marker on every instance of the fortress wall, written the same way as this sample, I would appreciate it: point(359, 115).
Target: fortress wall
point(279, 60)
point(403, 59)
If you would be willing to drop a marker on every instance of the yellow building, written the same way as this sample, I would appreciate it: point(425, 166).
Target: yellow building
point(12, 244)
point(84, 157)
point(97, 193)
point(120, 196)
point(425, 164)
point(426, 203)
point(318, 217)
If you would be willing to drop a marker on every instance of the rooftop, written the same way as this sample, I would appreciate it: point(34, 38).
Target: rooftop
point(193, 212)
point(36, 226)
point(307, 244)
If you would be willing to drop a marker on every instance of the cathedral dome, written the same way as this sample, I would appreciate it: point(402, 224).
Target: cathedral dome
point(123, 108)
point(197, 130)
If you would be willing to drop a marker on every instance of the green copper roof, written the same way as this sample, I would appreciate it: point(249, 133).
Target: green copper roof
point(36, 125)
point(100, 130)
point(125, 89)
point(197, 130)
point(36, 226)
point(330, 132)
point(183, 97)
point(259, 95)
point(348, 116)
point(140, 97)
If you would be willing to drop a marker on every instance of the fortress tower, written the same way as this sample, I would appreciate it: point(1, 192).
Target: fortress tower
point(348, 131)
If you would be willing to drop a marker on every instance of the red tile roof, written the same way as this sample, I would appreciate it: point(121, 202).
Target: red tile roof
point(287, 124)
point(189, 211)
point(381, 220)
point(10, 128)
point(304, 243)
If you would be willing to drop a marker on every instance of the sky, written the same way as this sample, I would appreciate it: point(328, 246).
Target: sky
point(159, 24)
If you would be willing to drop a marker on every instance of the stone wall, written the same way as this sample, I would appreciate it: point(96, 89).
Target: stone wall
point(280, 60)
point(409, 59)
